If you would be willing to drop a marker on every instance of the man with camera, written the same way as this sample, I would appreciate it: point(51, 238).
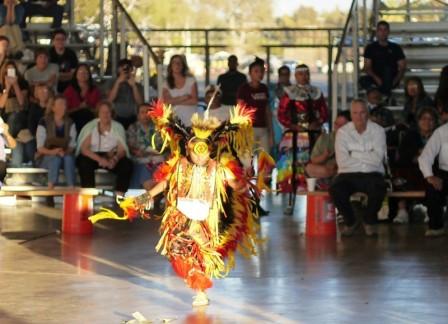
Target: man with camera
point(126, 94)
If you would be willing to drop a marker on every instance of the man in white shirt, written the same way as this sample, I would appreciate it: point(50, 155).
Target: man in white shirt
point(360, 149)
point(437, 190)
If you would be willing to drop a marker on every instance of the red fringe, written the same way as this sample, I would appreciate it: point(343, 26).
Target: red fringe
point(156, 110)
point(131, 213)
point(241, 231)
point(236, 169)
point(193, 276)
point(162, 173)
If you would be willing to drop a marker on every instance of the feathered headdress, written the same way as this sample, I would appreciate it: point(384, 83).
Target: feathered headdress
point(235, 134)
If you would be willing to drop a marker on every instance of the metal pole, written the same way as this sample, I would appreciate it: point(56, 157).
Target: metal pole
point(365, 19)
point(114, 39)
point(344, 83)
point(101, 45)
point(268, 62)
point(376, 11)
point(146, 73)
point(159, 80)
point(160, 75)
point(71, 3)
point(329, 76)
point(334, 95)
point(355, 49)
point(408, 10)
point(207, 59)
point(123, 36)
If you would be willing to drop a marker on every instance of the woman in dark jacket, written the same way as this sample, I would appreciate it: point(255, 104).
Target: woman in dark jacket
point(409, 150)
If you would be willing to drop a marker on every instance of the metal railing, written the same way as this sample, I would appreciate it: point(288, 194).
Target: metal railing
point(202, 40)
point(414, 10)
point(271, 39)
point(356, 34)
point(121, 24)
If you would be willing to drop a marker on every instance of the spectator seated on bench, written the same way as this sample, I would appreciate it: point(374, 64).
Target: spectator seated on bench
point(322, 164)
point(145, 159)
point(102, 144)
point(437, 178)
point(409, 150)
point(360, 152)
point(56, 142)
point(5, 138)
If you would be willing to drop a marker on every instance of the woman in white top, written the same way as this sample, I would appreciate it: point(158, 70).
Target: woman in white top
point(180, 89)
point(10, 141)
point(102, 144)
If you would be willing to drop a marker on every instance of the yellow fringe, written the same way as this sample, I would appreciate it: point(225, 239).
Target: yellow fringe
point(105, 213)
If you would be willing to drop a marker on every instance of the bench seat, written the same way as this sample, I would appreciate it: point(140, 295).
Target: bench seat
point(392, 194)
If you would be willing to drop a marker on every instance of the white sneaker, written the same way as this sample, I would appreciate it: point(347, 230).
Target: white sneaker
point(434, 232)
point(402, 217)
point(200, 299)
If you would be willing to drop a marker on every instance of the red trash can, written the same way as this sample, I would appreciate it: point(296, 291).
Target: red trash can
point(320, 215)
point(76, 210)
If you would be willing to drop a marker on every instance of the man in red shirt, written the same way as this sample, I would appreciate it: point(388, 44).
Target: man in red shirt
point(255, 94)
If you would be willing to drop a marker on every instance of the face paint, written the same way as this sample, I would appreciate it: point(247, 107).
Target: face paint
point(200, 148)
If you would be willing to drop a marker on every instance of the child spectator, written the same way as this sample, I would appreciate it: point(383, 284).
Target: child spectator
point(63, 57)
point(42, 72)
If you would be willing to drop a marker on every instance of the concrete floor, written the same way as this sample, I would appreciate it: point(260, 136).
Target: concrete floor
point(400, 277)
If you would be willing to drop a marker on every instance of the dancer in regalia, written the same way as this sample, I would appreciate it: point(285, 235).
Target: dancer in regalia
point(211, 205)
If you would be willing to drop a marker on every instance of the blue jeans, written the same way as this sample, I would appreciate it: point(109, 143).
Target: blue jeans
point(140, 173)
point(19, 13)
point(23, 152)
point(54, 162)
